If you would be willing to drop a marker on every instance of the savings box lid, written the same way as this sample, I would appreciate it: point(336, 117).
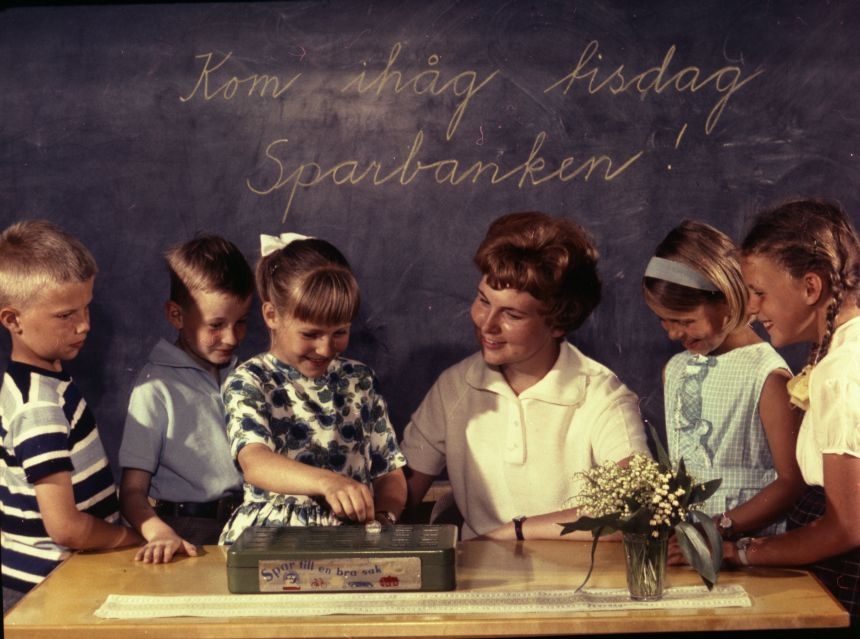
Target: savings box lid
point(432, 542)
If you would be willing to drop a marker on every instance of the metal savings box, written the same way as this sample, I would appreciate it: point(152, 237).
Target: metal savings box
point(343, 558)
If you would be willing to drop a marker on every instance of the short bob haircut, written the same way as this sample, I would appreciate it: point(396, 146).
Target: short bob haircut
point(37, 254)
point(208, 263)
point(551, 258)
point(714, 256)
point(310, 280)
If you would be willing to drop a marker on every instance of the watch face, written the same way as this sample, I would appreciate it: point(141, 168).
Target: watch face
point(744, 543)
point(725, 522)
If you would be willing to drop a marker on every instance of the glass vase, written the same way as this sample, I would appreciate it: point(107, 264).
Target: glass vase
point(646, 565)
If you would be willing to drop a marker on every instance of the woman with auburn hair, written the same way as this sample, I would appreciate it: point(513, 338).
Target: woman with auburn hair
point(516, 421)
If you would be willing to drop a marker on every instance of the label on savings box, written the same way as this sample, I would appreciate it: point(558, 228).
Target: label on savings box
point(353, 573)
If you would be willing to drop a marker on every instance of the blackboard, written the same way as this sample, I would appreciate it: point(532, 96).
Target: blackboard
point(399, 130)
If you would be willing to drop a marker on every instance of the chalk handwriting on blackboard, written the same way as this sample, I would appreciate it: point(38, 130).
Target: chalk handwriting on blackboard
point(254, 85)
point(465, 84)
point(282, 172)
point(532, 171)
point(654, 79)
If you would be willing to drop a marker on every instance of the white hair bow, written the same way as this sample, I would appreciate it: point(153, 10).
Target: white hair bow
point(271, 243)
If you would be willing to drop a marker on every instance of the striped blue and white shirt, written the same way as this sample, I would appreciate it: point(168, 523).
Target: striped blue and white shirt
point(46, 428)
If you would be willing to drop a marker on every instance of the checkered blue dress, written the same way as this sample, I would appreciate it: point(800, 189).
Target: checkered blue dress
point(712, 421)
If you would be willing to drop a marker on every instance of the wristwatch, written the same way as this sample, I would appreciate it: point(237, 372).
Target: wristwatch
point(742, 546)
point(725, 524)
point(518, 527)
point(389, 517)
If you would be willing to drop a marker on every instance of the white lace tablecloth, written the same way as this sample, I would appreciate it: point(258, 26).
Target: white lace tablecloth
point(417, 603)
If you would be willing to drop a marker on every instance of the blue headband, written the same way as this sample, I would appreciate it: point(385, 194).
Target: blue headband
point(670, 271)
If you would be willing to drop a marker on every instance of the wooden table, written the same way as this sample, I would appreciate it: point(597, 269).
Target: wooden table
point(63, 605)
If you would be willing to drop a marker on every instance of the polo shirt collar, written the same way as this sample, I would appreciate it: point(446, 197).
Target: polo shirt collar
point(564, 384)
point(170, 355)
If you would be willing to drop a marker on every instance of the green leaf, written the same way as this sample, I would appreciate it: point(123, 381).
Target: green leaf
point(639, 521)
point(715, 541)
point(599, 525)
point(682, 476)
point(696, 552)
point(597, 534)
point(662, 455)
point(701, 492)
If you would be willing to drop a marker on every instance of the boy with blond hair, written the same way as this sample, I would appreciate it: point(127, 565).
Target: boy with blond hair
point(57, 492)
point(179, 483)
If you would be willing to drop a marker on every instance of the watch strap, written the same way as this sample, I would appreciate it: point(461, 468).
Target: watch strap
point(518, 527)
point(725, 525)
point(742, 545)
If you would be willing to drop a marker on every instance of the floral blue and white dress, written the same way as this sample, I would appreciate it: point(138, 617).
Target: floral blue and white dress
point(338, 421)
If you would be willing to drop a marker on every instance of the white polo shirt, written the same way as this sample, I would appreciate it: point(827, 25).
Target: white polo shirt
point(509, 455)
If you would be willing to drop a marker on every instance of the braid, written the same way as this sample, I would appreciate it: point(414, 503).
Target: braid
point(820, 350)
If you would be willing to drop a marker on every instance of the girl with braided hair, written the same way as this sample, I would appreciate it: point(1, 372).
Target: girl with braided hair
point(801, 262)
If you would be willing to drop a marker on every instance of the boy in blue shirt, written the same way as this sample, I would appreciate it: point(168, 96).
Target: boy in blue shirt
point(179, 483)
point(57, 492)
